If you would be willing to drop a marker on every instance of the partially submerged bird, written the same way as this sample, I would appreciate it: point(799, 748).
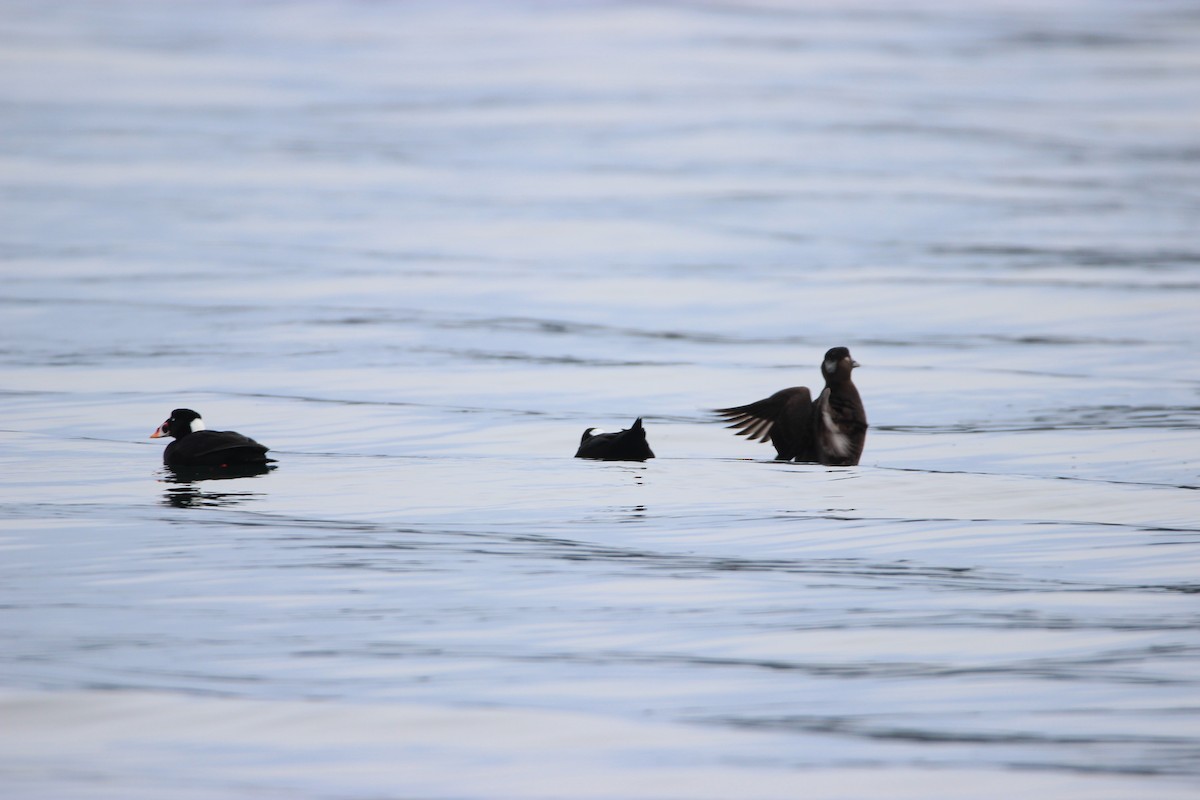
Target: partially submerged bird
point(626, 445)
point(194, 446)
point(830, 430)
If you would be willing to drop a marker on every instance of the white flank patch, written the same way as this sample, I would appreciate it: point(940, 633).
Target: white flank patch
point(839, 441)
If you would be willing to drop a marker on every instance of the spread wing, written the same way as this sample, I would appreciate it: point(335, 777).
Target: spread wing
point(757, 421)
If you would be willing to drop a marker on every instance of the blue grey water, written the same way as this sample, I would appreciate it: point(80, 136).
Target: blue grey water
point(418, 247)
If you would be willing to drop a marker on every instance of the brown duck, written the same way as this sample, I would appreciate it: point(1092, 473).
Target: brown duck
point(830, 430)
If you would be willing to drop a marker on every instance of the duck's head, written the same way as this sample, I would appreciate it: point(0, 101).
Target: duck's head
point(838, 364)
point(181, 422)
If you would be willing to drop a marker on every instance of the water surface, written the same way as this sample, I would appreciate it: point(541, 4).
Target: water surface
point(417, 248)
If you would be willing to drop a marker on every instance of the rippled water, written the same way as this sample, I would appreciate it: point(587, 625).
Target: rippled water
point(417, 248)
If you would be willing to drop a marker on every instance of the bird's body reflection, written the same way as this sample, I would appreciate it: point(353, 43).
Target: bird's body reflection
point(186, 493)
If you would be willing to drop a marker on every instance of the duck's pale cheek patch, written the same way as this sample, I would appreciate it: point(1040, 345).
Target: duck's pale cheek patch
point(829, 366)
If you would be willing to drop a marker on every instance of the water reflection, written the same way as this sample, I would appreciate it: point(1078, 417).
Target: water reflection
point(188, 495)
point(196, 474)
point(634, 514)
point(192, 497)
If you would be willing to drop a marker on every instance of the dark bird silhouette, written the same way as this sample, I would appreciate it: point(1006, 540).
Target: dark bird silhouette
point(196, 447)
point(830, 430)
point(626, 445)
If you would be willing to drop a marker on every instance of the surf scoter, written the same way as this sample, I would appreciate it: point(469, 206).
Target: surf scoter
point(626, 445)
point(194, 446)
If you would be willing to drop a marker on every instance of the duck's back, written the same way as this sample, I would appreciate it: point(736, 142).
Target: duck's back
point(214, 448)
point(626, 445)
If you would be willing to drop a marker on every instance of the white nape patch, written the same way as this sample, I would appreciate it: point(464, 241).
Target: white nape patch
point(197, 425)
point(595, 431)
point(838, 441)
point(830, 366)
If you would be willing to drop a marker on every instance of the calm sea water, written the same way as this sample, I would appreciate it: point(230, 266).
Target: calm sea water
point(417, 248)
